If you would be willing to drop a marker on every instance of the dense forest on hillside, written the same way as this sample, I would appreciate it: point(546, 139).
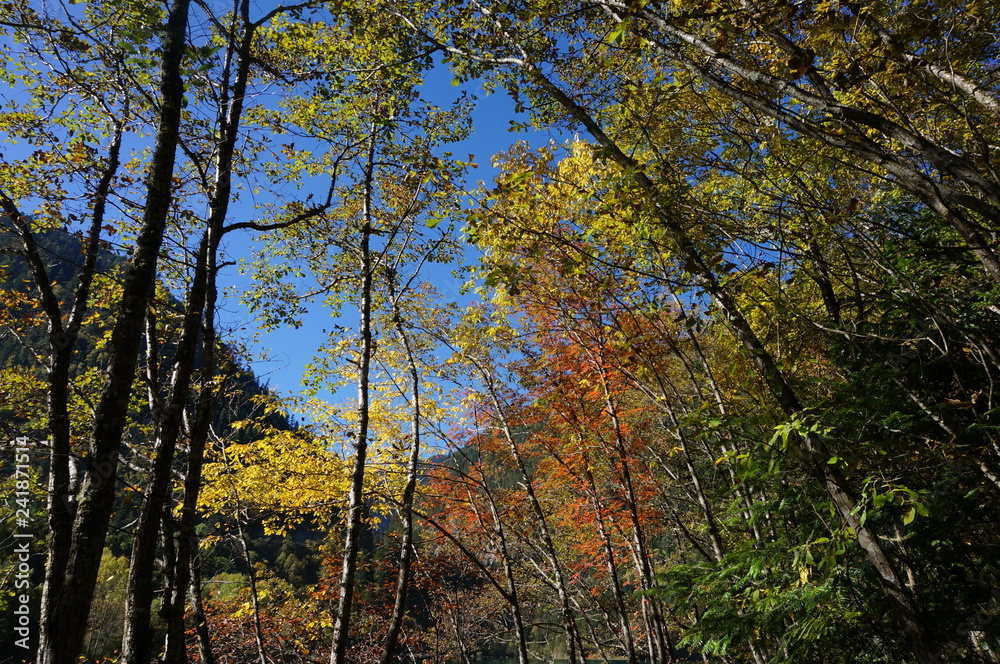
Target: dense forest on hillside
point(719, 383)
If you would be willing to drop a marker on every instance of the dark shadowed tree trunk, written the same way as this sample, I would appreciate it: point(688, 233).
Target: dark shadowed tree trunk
point(199, 317)
point(62, 345)
point(137, 643)
point(67, 596)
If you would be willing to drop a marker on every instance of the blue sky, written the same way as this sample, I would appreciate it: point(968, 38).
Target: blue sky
point(289, 350)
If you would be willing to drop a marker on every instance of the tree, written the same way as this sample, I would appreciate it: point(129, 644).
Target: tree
point(230, 96)
point(379, 153)
point(78, 530)
point(729, 387)
point(566, 218)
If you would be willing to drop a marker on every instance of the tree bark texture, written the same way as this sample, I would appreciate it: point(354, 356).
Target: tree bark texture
point(355, 507)
point(66, 601)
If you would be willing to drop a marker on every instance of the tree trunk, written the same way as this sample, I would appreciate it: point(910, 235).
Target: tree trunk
point(242, 517)
point(562, 592)
point(205, 654)
point(61, 506)
point(137, 640)
point(612, 566)
point(230, 113)
point(406, 509)
point(355, 508)
point(508, 572)
point(187, 548)
point(66, 601)
point(638, 537)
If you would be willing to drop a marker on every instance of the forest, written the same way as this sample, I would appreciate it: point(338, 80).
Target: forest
point(703, 371)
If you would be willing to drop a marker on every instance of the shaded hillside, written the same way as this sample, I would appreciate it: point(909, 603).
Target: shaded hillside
point(23, 345)
point(63, 255)
point(23, 336)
